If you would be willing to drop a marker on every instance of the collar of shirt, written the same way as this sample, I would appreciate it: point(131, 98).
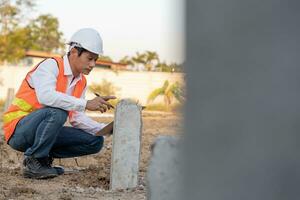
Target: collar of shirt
point(68, 71)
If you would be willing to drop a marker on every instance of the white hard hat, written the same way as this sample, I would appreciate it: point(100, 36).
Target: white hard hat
point(88, 39)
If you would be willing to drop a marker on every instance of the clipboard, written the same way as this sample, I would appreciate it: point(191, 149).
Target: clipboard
point(106, 130)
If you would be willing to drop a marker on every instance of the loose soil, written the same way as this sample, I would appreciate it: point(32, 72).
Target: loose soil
point(86, 177)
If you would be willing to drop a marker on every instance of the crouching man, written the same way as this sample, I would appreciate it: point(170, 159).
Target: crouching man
point(52, 91)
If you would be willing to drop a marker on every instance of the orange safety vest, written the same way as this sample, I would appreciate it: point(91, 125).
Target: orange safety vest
point(26, 100)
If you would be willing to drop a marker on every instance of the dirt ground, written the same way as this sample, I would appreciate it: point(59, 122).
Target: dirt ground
point(86, 177)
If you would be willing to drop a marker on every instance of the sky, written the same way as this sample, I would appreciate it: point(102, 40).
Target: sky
point(126, 27)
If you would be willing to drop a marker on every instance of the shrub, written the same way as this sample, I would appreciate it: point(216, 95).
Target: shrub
point(2, 102)
point(105, 88)
point(169, 92)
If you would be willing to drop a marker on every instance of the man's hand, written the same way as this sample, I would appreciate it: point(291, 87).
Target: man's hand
point(99, 104)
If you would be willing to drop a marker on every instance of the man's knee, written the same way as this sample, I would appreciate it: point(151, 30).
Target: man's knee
point(58, 115)
point(97, 144)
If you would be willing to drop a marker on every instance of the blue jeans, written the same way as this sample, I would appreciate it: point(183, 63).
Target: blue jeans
point(41, 134)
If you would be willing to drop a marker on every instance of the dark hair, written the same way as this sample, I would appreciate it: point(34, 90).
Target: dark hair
point(79, 49)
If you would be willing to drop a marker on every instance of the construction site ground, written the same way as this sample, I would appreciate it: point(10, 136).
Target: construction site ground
point(86, 177)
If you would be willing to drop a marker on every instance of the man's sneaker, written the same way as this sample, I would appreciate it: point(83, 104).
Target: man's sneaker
point(33, 168)
point(59, 170)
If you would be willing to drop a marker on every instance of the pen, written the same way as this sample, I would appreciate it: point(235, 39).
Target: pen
point(98, 95)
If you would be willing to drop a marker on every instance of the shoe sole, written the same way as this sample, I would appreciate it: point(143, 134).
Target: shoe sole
point(38, 176)
point(59, 170)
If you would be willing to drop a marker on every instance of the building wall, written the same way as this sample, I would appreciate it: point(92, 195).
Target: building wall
point(137, 85)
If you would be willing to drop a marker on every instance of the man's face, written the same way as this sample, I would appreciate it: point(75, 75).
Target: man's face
point(85, 62)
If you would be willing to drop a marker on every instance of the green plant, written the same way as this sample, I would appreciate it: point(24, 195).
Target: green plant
point(105, 88)
point(2, 102)
point(169, 92)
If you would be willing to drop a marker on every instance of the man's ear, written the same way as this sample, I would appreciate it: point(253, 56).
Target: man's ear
point(74, 51)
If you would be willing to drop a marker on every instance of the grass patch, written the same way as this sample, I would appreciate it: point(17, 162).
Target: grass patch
point(176, 107)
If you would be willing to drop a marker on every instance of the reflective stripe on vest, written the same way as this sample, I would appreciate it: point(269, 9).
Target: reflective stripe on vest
point(13, 115)
point(22, 104)
point(25, 109)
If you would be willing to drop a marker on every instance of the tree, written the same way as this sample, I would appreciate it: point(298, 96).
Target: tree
point(13, 39)
point(105, 58)
point(126, 60)
point(18, 33)
point(169, 92)
point(163, 67)
point(150, 61)
point(146, 60)
point(140, 60)
point(14, 44)
point(151, 57)
point(45, 35)
point(176, 67)
point(12, 13)
point(173, 67)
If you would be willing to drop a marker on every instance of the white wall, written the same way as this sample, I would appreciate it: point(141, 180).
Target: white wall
point(137, 85)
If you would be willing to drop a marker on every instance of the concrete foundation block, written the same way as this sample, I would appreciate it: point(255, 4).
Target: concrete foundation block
point(164, 174)
point(126, 145)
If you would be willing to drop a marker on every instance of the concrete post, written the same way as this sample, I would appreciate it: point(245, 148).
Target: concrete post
point(165, 170)
point(243, 104)
point(9, 98)
point(126, 145)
